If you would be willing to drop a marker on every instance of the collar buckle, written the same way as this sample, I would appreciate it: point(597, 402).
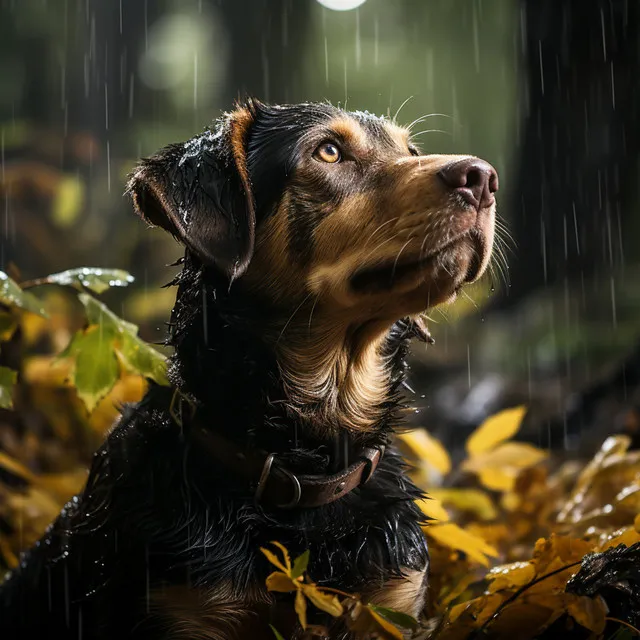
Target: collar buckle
point(371, 458)
point(264, 476)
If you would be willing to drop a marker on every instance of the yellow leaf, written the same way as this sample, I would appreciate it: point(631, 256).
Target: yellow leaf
point(498, 479)
point(627, 536)
point(517, 455)
point(16, 468)
point(278, 581)
point(391, 630)
point(432, 507)
point(473, 501)
point(326, 602)
point(477, 611)
point(588, 612)
point(452, 536)
point(285, 554)
point(371, 623)
point(273, 559)
point(459, 588)
point(301, 609)
point(427, 448)
point(508, 576)
point(494, 430)
point(68, 200)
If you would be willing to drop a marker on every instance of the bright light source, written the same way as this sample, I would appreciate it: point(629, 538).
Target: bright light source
point(341, 5)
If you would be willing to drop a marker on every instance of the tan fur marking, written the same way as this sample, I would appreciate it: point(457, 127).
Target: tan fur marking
point(400, 135)
point(185, 613)
point(406, 595)
point(351, 131)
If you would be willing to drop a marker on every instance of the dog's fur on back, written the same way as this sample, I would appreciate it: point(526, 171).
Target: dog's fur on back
point(314, 239)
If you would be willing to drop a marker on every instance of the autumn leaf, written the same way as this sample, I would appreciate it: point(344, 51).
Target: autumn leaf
point(474, 501)
point(326, 602)
point(453, 536)
point(494, 430)
point(301, 608)
point(365, 619)
point(426, 448)
point(281, 582)
point(291, 579)
point(284, 566)
point(432, 508)
point(498, 463)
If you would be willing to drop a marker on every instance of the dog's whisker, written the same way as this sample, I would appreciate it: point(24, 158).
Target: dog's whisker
point(395, 116)
point(424, 117)
point(395, 262)
point(424, 131)
point(379, 228)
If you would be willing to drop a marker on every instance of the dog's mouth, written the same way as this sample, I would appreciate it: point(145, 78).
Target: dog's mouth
point(460, 261)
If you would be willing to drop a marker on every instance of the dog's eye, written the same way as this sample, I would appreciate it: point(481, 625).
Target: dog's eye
point(328, 152)
point(413, 151)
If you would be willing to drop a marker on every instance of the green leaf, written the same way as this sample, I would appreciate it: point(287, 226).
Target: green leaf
point(99, 350)
point(137, 356)
point(8, 378)
point(276, 633)
point(96, 366)
point(93, 278)
point(13, 296)
point(300, 565)
point(142, 359)
point(398, 618)
point(98, 313)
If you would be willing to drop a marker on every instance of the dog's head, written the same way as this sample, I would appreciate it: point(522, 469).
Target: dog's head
point(312, 203)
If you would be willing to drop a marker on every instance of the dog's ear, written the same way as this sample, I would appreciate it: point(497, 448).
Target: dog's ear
point(200, 192)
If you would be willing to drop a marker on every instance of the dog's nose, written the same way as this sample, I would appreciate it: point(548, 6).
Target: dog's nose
point(475, 180)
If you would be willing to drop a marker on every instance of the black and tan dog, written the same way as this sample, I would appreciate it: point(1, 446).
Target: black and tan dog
point(314, 239)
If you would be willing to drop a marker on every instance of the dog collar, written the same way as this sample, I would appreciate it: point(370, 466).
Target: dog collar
point(275, 484)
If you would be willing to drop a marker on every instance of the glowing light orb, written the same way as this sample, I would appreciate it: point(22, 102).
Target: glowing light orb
point(341, 5)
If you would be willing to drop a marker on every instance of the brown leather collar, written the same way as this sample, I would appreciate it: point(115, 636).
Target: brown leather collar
point(274, 484)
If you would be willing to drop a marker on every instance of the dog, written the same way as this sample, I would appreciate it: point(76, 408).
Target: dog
point(315, 239)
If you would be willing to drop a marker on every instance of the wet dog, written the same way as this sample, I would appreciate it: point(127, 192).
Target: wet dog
point(314, 238)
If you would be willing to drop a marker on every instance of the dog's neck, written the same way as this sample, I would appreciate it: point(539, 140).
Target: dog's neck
point(256, 372)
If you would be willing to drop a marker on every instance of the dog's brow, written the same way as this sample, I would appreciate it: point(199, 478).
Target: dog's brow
point(349, 130)
point(399, 135)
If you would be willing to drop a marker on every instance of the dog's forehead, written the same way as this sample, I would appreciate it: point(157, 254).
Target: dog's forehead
point(296, 122)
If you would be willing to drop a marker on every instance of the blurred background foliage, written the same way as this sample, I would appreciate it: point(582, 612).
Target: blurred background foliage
point(546, 90)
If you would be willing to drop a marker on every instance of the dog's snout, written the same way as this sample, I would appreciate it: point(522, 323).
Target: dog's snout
point(473, 179)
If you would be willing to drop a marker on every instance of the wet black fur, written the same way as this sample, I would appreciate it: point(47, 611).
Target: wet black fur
point(157, 511)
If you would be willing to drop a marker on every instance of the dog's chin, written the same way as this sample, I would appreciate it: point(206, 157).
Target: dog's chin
point(442, 272)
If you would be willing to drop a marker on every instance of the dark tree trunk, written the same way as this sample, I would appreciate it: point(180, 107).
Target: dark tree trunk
point(572, 204)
